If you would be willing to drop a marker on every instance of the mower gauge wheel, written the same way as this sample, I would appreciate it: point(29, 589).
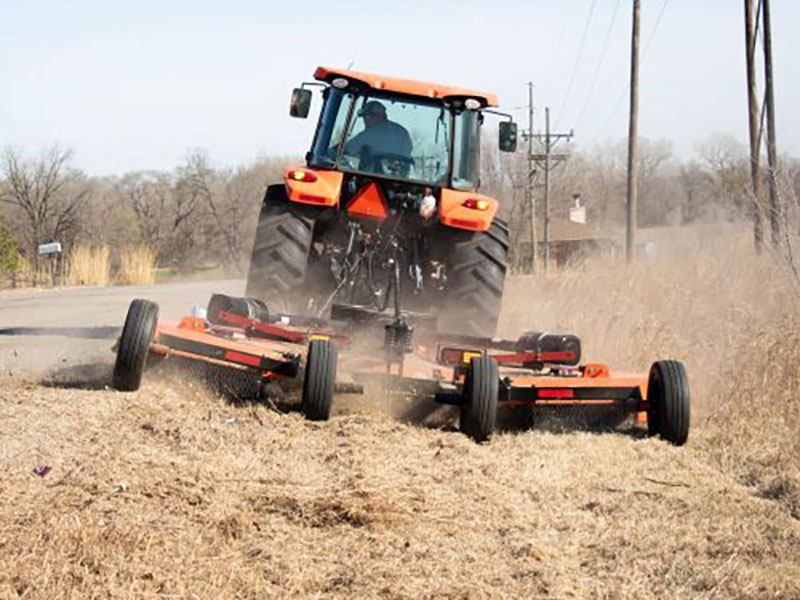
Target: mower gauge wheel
point(134, 345)
point(319, 380)
point(669, 400)
point(479, 405)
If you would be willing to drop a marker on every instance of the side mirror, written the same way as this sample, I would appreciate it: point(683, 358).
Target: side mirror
point(508, 136)
point(301, 103)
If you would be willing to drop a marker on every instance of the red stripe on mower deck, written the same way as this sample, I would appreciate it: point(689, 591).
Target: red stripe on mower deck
point(245, 359)
point(206, 346)
point(555, 393)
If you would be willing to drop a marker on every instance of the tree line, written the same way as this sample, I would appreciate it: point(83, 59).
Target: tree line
point(712, 185)
point(194, 216)
point(201, 216)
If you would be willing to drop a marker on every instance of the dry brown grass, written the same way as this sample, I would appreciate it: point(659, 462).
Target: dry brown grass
point(28, 275)
point(161, 493)
point(731, 316)
point(89, 265)
point(156, 493)
point(137, 266)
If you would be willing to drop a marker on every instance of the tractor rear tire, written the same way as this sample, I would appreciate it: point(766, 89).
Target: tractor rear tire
point(280, 252)
point(669, 402)
point(134, 345)
point(476, 273)
point(479, 405)
point(319, 380)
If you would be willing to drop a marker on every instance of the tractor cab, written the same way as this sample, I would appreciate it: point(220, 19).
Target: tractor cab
point(403, 130)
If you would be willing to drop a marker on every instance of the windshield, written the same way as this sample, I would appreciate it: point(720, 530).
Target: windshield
point(396, 137)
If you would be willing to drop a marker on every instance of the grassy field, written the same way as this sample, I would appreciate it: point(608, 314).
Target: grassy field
point(173, 491)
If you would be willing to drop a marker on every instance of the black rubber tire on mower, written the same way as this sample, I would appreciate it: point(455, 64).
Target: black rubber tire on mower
point(476, 272)
point(134, 345)
point(668, 395)
point(280, 251)
point(319, 380)
point(479, 405)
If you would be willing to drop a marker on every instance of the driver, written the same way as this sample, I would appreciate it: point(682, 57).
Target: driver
point(380, 135)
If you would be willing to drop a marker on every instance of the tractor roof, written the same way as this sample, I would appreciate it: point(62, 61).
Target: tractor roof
point(405, 86)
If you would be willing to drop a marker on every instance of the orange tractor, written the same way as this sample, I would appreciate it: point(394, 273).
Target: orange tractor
point(386, 214)
point(387, 209)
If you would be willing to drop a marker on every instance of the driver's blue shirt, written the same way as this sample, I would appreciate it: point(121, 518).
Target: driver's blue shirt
point(387, 137)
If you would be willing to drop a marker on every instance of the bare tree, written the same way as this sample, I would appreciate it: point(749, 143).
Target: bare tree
point(230, 199)
point(198, 183)
point(694, 185)
point(728, 175)
point(150, 197)
point(47, 193)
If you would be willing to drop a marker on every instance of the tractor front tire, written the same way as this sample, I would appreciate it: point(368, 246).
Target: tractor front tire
point(476, 273)
point(134, 345)
point(280, 252)
point(479, 405)
point(319, 380)
point(668, 396)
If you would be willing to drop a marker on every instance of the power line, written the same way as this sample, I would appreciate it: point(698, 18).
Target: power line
point(578, 57)
point(547, 160)
point(627, 87)
point(599, 64)
point(560, 42)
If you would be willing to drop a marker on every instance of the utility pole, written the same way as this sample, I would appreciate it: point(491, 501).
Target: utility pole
point(750, 20)
point(633, 140)
point(548, 160)
point(529, 187)
point(775, 211)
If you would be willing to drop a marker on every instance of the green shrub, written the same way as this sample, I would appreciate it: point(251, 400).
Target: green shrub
point(9, 250)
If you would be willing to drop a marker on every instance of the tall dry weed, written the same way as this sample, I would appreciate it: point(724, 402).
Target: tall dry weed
point(89, 265)
point(26, 273)
point(137, 266)
point(48, 272)
point(732, 316)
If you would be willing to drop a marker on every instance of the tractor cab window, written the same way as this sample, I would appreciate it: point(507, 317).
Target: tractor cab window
point(385, 135)
point(401, 139)
point(466, 150)
point(331, 127)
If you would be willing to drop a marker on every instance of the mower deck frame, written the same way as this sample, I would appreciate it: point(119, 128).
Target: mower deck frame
point(589, 385)
point(476, 374)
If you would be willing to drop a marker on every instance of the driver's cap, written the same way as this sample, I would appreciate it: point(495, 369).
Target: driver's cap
point(373, 107)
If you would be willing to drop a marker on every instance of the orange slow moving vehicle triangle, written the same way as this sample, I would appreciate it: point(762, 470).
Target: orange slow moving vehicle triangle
point(369, 202)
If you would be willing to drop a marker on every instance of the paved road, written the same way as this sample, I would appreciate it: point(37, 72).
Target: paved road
point(56, 333)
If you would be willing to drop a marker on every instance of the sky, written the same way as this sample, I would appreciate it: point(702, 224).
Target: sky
point(134, 85)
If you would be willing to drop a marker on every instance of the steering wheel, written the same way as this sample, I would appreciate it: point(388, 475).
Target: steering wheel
point(348, 161)
point(392, 164)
